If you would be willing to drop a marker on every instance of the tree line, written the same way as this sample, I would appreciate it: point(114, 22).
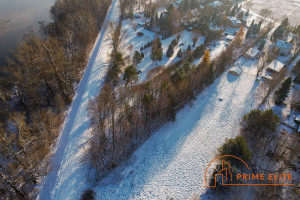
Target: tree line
point(123, 117)
point(38, 87)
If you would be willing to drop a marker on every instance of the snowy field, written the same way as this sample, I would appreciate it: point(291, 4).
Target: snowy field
point(279, 8)
point(172, 163)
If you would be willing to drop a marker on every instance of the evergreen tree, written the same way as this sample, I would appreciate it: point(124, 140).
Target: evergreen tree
point(179, 54)
point(156, 51)
point(199, 51)
point(170, 51)
point(186, 5)
point(283, 91)
point(137, 58)
point(277, 34)
point(174, 42)
point(142, 54)
point(247, 13)
point(189, 48)
point(130, 74)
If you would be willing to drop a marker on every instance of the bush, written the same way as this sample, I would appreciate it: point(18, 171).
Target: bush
point(236, 147)
point(140, 34)
point(88, 194)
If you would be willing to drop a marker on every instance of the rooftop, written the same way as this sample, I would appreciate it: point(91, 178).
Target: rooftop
point(234, 20)
point(275, 65)
point(284, 44)
point(252, 52)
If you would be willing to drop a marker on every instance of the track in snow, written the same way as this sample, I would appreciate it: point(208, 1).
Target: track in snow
point(67, 178)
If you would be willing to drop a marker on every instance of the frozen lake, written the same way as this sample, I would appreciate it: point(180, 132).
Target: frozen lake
point(18, 17)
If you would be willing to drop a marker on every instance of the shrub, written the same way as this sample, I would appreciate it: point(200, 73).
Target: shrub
point(140, 34)
point(88, 194)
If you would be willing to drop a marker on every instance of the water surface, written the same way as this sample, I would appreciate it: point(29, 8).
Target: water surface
point(18, 17)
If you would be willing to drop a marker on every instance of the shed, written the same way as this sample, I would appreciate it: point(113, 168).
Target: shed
point(235, 70)
point(229, 37)
point(275, 66)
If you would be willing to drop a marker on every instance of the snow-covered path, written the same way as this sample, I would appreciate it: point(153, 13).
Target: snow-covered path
point(172, 162)
point(67, 177)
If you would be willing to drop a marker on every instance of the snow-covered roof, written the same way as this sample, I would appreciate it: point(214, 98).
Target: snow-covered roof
point(230, 37)
point(234, 20)
point(252, 52)
point(229, 31)
point(284, 44)
point(297, 119)
point(235, 70)
point(275, 65)
point(216, 3)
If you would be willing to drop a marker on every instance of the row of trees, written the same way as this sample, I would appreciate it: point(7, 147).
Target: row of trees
point(123, 117)
point(39, 85)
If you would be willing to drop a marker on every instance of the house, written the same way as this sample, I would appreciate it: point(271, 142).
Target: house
point(285, 47)
point(297, 118)
point(234, 22)
point(229, 31)
point(275, 66)
point(230, 37)
point(252, 53)
point(215, 3)
point(235, 70)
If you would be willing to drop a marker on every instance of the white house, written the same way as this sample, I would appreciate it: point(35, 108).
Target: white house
point(285, 47)
point(252, 53)
point(275, 66)
point(235, 22)
point(229, 37)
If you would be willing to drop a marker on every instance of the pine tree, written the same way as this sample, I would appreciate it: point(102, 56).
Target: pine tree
point(174, 42)
point(179, 54)
point(170, 51)
point(130, 74)
point(199, 51)
point(189, 48)
point(156, 51)
point(278, 33)
point(142, 54)
point(283, 91)
point(137, 58)
point(247, 13)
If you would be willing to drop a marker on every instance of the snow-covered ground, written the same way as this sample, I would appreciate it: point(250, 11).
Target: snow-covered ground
point(172, 162)
point(67, 178)
point(279, 9)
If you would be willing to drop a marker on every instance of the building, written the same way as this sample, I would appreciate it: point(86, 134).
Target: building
point(229, 31)
point(275, 66)
point(234, 22)
point(285, 47)
point(235, 70)
point(215, 3)
point(252, 53)
point(229, 37)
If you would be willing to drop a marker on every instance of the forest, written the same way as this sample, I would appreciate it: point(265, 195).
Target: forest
point(36, 88)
